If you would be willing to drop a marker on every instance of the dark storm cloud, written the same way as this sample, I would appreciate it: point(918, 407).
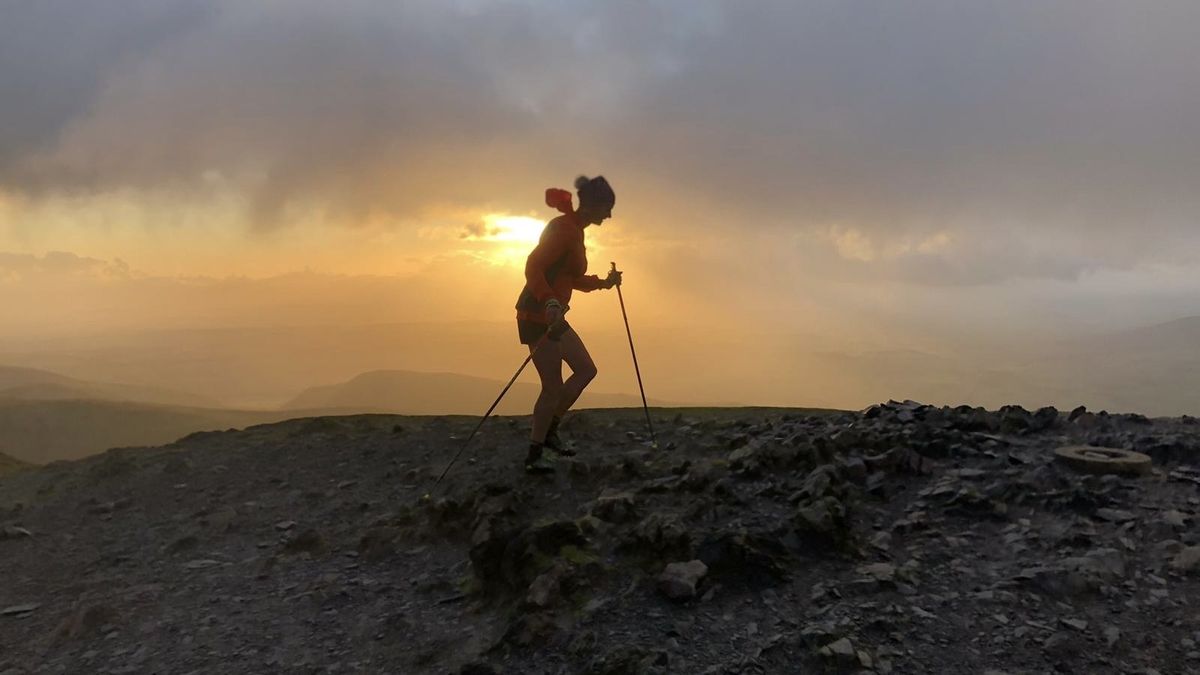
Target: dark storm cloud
point(55, 55)
point(1063, 124)
point(975, 104)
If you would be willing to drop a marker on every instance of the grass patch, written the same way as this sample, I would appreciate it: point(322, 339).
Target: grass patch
point(577, 556)
point(470, 585)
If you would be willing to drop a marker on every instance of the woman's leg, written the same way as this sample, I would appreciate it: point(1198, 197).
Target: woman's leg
point(548, 361)
point(583, 370)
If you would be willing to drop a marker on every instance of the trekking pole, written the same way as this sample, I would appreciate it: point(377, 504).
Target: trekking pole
point(653, 440)
point(541, 341)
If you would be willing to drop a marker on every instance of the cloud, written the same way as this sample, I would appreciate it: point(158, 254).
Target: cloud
point(473, 231)
point(1036, 124)
point(967, 259)
point(55, 56)
point(59, 264)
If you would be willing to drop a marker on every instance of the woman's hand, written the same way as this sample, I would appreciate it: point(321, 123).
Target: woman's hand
point(613, 279)
point(554, 311)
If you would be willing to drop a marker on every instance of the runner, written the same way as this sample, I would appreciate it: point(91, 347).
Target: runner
point(555, 268)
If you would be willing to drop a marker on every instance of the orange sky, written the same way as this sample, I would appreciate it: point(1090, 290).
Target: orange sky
point(792, 180)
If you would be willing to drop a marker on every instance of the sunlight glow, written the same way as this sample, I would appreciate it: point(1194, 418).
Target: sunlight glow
point(500, 227)
point(509, 239)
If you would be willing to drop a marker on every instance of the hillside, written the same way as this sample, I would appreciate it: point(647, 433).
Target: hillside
point(416, 393)
point(10, 465)
point(905, 539)
point(45, 431)
point(32, 384)
point(46, 417)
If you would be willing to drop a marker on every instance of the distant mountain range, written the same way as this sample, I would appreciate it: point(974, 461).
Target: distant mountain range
point(415, 393)
point(31, 384)
point(263, 367)
point(1153, 370)
point(46, 417)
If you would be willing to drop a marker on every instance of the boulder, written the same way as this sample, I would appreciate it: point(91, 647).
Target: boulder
point(755, 561)
point(614, 507)
point(1187, 561)
point(678, 581)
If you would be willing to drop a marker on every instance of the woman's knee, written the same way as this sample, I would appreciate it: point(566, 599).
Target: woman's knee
point(551, 390)
point(587, 372)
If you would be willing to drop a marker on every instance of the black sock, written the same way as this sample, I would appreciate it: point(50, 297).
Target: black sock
point(552, 431)
point(535, 452)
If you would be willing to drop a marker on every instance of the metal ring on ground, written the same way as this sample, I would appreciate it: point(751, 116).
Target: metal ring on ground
point(1092, 459)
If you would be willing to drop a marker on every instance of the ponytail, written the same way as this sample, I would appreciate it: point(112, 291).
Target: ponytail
point(559, 199)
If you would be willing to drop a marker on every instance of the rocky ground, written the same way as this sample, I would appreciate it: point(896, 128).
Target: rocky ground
point(902, 539)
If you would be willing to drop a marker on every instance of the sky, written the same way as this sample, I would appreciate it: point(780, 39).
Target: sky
point(920, 173)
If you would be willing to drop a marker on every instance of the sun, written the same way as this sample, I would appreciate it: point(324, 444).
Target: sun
point(522, 229)
point(503, 239)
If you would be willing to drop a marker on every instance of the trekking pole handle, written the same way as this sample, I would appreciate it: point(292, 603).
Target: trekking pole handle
point(614, 268)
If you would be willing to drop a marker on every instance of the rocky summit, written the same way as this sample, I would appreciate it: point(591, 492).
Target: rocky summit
point(901, 539)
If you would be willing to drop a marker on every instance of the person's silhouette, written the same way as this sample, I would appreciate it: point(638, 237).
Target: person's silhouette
point(555, 268)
